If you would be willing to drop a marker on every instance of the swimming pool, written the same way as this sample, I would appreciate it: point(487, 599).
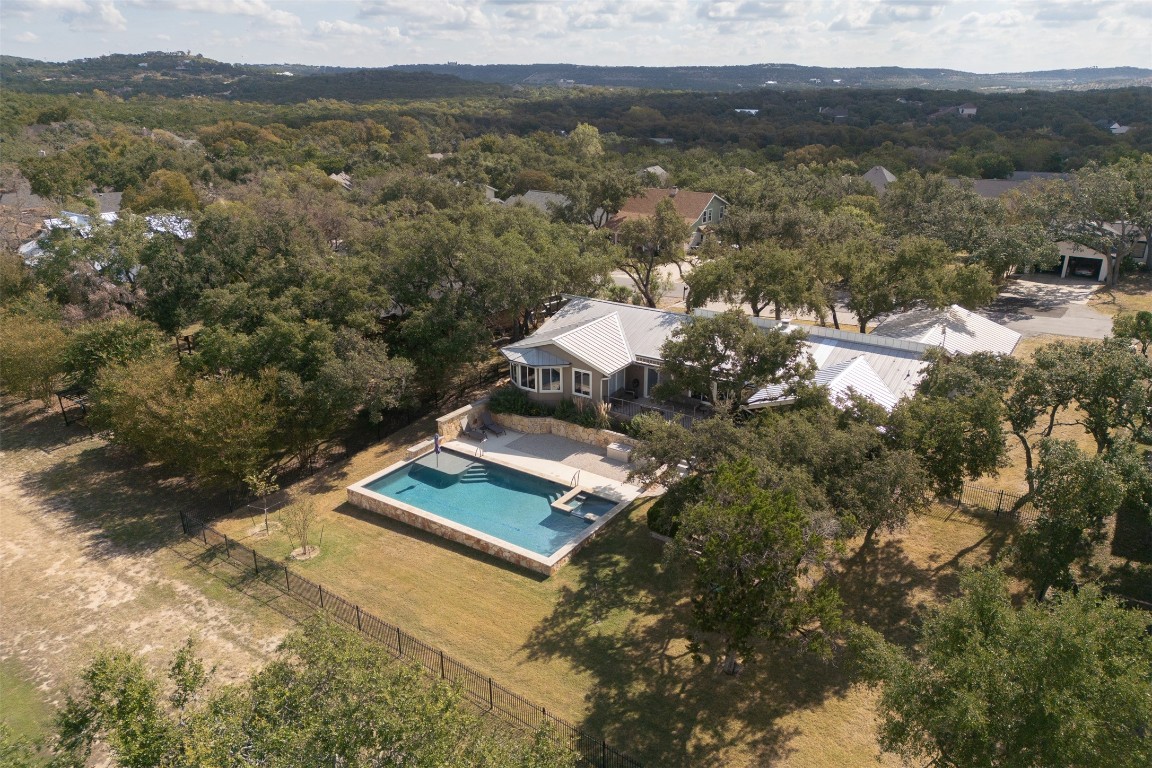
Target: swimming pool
point(526, 519)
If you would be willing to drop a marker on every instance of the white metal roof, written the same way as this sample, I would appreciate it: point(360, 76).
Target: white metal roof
point(644, 329)
point(853, 375)
point(533, 356)
point(955, 329)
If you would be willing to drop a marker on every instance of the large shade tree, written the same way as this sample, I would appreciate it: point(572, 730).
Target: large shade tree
point(1062, 684)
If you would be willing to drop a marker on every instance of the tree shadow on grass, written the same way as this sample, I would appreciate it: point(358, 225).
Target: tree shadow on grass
point(624, 621)
point(1132, 538)
point(130, 507)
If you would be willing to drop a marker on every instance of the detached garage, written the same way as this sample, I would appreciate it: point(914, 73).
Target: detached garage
point(1078, 261)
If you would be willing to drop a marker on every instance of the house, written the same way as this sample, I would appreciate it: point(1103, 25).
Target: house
point(879, 177)
point(342, 178)
point(741, 111)
point(603, 351)
point(990, 188)
point(545, 201)
point(659, 173)
point(1117, 129)
point(967, 109)
point(698, 209)
point(662, 140)
point(1081, 261)
point(837, 114)
point(157, 223)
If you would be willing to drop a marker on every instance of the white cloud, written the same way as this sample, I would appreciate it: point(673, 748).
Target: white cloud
point(79, 15)
point(253, 9)
point(748, 10)
point(1063, 11)
point(26, 37)
point(901, 11)
point(1011, 18)
point(342, 28)
point(426, 16)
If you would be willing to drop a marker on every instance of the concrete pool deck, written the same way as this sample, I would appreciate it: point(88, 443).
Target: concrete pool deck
point(556, 458)
point(566, 462)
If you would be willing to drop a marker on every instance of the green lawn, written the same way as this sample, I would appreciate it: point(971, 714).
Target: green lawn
point(604, 642)
point(23, 709)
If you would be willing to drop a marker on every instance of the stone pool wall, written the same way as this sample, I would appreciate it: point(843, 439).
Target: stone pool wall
point(450, 425)
point(381, 507)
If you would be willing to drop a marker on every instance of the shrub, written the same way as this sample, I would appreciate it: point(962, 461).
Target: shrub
point(510, 399)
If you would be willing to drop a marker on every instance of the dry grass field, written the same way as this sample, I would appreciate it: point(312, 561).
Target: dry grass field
point(1133, 294)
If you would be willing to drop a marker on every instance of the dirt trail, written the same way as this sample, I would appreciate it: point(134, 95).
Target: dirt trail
point(63, 595)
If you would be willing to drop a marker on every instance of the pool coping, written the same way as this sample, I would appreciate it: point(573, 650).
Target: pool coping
point(362, 497)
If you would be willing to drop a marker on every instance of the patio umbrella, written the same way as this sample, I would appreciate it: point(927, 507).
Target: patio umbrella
point(436, 447)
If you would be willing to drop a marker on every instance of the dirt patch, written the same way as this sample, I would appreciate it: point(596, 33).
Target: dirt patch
point(66, 592)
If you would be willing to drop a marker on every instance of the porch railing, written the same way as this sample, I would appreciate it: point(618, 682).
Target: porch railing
point(624, 408)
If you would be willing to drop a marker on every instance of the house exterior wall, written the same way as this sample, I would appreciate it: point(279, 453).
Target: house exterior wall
point(711, 214)
point(567, 390)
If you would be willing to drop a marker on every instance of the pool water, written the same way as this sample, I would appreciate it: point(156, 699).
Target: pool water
point(501, 502)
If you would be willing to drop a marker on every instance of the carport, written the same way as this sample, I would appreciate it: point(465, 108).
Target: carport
point(1078, 261)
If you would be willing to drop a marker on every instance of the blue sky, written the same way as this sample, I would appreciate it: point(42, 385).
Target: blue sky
point(972, 35)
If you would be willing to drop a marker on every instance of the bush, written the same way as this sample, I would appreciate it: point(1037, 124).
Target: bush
point(510, 399)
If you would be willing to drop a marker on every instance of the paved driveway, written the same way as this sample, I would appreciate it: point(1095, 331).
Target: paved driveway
point(1034, 305)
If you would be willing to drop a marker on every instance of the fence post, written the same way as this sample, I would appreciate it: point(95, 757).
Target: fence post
point(960, 498)
point(491, 704)
point(287, 581)
point(358, 619)
point(183, 523)
point(399, 647)
point(604, 753)
point(204, 534)
point(442, 675)
point(255, 563)
point(321, 588)
point(227, 548)
point(999, 503)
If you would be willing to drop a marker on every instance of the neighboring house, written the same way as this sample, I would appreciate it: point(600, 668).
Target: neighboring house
point(536, 198)
point(879, 177)
point(342, 178)
point(603, 351)
point(659, 173)
point(836, 114)
point(1081, 261)
point(698, 209)
point(157, 223)
point(990, 188)
point(740, 111)
point(963, 110)
point(663, 140)
point(1118, 129)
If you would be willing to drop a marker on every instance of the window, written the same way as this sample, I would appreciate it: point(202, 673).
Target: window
point(581, 383)
point(524, 376)
point(535, 379)
point(706, 216)
point(550, 380)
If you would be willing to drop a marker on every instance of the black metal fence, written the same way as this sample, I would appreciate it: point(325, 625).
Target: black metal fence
point(998, 503)
point(481, 690)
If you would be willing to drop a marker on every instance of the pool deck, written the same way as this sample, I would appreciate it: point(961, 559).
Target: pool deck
point(556, 458)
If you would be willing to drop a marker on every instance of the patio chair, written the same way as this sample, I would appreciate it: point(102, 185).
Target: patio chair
point(489, 425)
point(473, 432)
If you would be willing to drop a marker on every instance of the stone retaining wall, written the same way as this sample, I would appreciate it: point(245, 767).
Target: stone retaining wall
point(407, 517)
point(546, 425)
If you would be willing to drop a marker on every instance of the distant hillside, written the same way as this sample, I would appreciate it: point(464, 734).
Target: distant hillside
point(787, 76)
point(179, 74)
point(185, 74)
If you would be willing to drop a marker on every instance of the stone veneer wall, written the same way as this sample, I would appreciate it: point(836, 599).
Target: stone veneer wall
point(381, 507)
point(546, 425)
